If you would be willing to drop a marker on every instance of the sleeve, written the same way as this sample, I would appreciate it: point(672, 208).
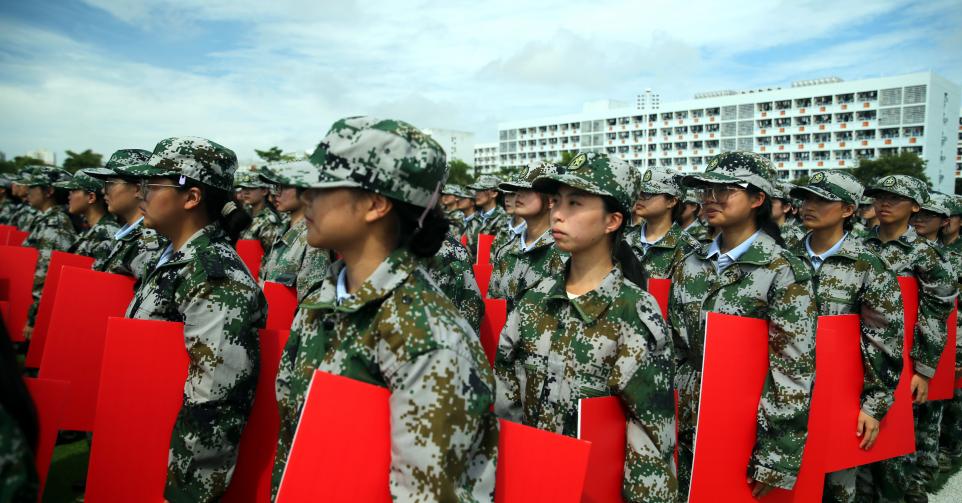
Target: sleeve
point(643, 378)
point(443, 435)
point(883, 334)
point(222, 345)
point(676, 325)
point(507, 403)
point(783, 409)
point(937, 292)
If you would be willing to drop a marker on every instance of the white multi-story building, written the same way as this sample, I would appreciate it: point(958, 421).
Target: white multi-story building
point(485, 158)
point(958, 151)
point(46, 156)
point(456, 144)
point(810, 126)
point(648, 101)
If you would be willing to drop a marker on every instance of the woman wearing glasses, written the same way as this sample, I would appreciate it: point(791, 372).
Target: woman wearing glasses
point(201, 282)
point(659, 242)
point(746, 272)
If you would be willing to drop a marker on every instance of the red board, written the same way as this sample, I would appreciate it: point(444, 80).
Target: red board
point(141, 392)
point(18, 264)
point(75, 337)
point(539, 466)
point(484, 248)
point(602, 423)
point(342, 447)
point(5, 231)
point(48, 398)
point(660, 289)
point(734, 369)
point(464, 239)
point(251, 253)
point(281, 305)
point(17, 238)
point(251, 482)
point(495, 316)
point(482, 274)
point(942, 384)
point(58, 260)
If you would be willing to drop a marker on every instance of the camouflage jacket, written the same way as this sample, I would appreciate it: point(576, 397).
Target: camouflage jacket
point(23, 217)
point(451, 269)
point(699, 231)
point(97, 241)
point(205, 286)
point(506, 238)
point(910, 255)
point(518, 270)
point(661, 257)
point(400, 332)
point(456, 219)
point(7, 209)
point(792, 234)
point(953, 255)
point(265, 227)
point(492, 225)
point(855, 281)
point(554, 351)
point(51, 230)
point(135, 253)
point(18, 475)
point(293, 262)
point(768, 283)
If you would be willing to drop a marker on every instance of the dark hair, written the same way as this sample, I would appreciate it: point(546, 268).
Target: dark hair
point(214, 200)
point(426, 240)
point(621, 251)
point(678, 209)
point(763, 217)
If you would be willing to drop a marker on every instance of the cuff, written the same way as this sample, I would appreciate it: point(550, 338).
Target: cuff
point(771, 477)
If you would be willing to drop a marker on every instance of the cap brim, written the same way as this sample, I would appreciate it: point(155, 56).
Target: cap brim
point(710, 177)
point(549, 184)
point(874, 191)
point(144, 171)
point(514, 186)
point(804, 191)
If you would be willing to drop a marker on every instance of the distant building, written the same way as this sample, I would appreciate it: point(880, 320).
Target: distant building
point(456, 144)
point(485, 158)
point(43, 155)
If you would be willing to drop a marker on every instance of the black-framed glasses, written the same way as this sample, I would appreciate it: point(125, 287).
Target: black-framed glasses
point(645, 196)
point(147, 188)
point(717, 193)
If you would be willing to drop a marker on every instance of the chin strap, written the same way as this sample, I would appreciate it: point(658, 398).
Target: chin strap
point(432, 202)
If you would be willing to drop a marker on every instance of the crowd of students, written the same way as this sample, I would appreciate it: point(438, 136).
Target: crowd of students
point(370, 237)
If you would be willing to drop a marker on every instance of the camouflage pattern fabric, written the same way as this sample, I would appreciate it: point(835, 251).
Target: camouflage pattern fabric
point(7, 210)
point(23, 217)
point(293, 262)
point(555, 351)
point(518, 269)
point(452, 271)
point(400, 332)
point(765, 282)
point(206, 286)
point(97, 241)
point(737, 167)
point(18, 477)
point(791, 234)
point(505, 238)
point(198, 159)
point(699, 231)
point(265, 227)
point(134, 254)
point(492, 223)
point(658, 259)
point(51, 230)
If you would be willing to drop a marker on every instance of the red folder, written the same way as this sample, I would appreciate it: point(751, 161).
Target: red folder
point(18, 264)
point(251, 482)
point(602, 423)
point(48, 398)
point(734, 369)
point(942, 384)
point(281, 305)
point(16, 238)
point(58, 260)
point(484, 248)
point(75, 338)
point(539, 466)
point(495, 315)
point(141, 392)
point(940, 387)
point(342, 447)
point(251, 253)
point(482, 273)
point(660, 290)
point(464, 239)
point(5, 231)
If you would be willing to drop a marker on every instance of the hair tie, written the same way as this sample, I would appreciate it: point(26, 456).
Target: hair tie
point(228, 208)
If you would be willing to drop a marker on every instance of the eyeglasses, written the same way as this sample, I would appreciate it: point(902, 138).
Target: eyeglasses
point(889, 198)
point(645, 196)
point(115, 183)
point(146, 188)
point(717, 193)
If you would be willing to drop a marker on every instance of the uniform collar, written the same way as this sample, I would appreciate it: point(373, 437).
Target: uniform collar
point(294, 232)
point(386, 278)
point(906, 240)
point(593, 304)
point(746, 251)
point(196, 243)
point(129, 228)
point(545, 239)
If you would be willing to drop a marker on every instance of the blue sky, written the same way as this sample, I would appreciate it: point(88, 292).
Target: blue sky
point(109, 74)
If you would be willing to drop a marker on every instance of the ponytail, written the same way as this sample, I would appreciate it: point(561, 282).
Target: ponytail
point(763, 217)
point(421, 233)
point(621, 251)
point(220, 208)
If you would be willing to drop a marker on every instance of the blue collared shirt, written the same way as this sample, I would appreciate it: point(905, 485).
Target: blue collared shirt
point(128, 228)
point(644, 241)
point(726, 259)
point(523, 238)
point(485, 215)
point(165, 255)
point(341, 288)
point(819, 259)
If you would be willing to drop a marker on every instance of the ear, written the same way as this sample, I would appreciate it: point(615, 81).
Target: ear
point(916, 208)
point(613, 221)
point(91, 197)
point(376, 207)
point(758, 199)
point(672, 202)
point(848, 210)
point(48, 192)
point(193, 197)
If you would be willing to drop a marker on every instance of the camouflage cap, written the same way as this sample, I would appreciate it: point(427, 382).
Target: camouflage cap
point(389, 157)
point(690, 197)
point(527, 176)
point(189, 157)
point(900, 185)
point(661, 180)
point(939, 203)
point(45, 176)
point(21, 176)
point(596, 174)
point(250, 179)
point(737, 167)
point(119, 159)
point(834, 185)
point(957, 205)
point(81, 181)
point(301, 174)
point(5, 180)
point(865, 201)
point(451, 189)
point(485, 182)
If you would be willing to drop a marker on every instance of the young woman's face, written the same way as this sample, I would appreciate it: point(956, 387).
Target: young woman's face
point(335, 218)
point(483, 197)
point(867, 212)
point(509, 198)
point(725, 205)
point(893, 209)
point(579, 220)
point(78, 201)
point(253, 197)
point(287, 199)
point(122, 197)
point(464, 203)
point(163, 205)
point(927, 223)
point(818, 213)
point(650, 206)
point(953, 224)
point(38, 196)
point(779, 209)
point(529, 204)
point(690, 211)
point(448, 200)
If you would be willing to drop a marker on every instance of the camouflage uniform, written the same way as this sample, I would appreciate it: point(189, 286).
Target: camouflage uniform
point(791, 233)
point(452, 271)
point(18, 476)
point(950, 436)
point(456, 217)
point(910, 255)
point(491, 222)
point(659, 258)
point(97, 241)
point(204, 285)
point(398, 330)
point(291, 261)
point(855, 281)
point(554, 351)
point(7, 205)
point(266, 224)
point(765, 282)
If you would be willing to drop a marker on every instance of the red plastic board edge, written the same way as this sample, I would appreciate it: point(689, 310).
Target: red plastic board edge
point(58, 260)
point(48, 397)
point(281, 305)
point(602, 423)
point(660, 289)
point(495, 316)
point(251, 253)
point(18, 264)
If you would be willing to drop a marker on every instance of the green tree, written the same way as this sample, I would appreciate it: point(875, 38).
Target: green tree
point(566, 157)
point(275, 154)
point(802, 180)
point(906, 163)
point(460, 172)
point(18, 162)
point(80, 160)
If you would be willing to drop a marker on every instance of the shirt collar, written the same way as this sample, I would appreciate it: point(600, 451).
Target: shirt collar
point(386, 278)
point(128, 228)
point(341, 292)
point(519, 229)
point(543, 240)
point(818, 259)
point(736, 252)
point(485, 215)
point(591, 305)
